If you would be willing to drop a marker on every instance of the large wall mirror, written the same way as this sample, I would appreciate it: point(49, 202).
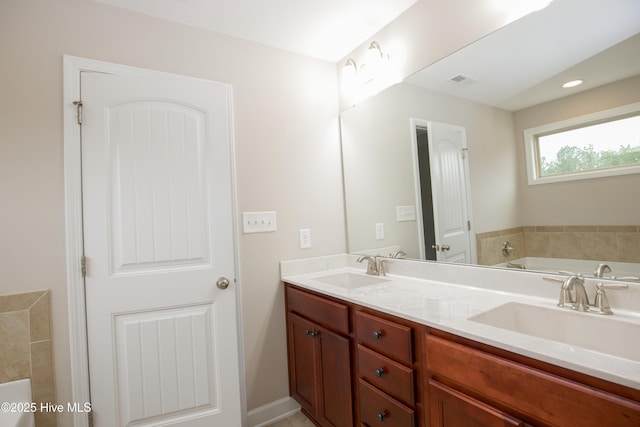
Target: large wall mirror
point(486, 95)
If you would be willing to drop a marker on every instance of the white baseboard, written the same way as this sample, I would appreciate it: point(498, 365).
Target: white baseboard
point(272, 412)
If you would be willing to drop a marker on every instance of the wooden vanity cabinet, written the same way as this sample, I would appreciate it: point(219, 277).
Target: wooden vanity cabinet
point(471, 384)
point(319, 351)
point(353, 366)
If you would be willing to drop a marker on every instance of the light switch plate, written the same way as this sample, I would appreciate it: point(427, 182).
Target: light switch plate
point(405, 213)
point(258, 222)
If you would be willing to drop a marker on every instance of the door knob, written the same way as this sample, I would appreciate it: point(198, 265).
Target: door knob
point(436, 247)
point(222, 283)
point(445, 247)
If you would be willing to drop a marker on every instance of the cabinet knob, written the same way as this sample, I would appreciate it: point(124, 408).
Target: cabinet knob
point(379, 372)
point(381, 416)
point(377, 334)
point(311, 333)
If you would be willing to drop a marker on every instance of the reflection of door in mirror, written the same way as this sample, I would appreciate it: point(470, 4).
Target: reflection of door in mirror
point(443, 181)
point(428, 241)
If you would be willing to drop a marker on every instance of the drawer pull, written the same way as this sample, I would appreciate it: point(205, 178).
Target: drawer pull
point(377, 334)
point(381, 416)
point(379, 372)
point(311, 333)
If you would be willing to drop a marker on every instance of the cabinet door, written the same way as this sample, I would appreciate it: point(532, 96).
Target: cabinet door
point(450, 408)
point(303, 372)
point(336, 407)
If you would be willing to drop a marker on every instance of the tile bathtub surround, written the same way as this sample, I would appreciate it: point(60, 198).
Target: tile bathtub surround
point(619, 243)
point(25, 346)
point(489, 245)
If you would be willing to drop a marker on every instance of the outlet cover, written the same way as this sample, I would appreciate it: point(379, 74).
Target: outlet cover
point(380, 231)
point(305, 238)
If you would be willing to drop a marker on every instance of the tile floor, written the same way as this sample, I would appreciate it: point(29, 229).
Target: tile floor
point(297, 420)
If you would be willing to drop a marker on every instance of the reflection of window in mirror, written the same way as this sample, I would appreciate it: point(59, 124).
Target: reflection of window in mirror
point(601, 144)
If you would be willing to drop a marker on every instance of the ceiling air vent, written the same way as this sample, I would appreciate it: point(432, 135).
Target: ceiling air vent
point(461, 79)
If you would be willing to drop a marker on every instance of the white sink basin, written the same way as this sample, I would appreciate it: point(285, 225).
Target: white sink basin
point(349, 280)
point(604, 334)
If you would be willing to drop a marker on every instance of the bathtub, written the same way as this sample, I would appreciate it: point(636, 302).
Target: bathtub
point(577, 266)
point(16, 410)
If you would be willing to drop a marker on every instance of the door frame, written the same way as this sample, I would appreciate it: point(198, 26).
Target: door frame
point(414, 124)
point(78, 345)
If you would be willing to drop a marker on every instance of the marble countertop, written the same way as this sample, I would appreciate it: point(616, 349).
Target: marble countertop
point(448, 306)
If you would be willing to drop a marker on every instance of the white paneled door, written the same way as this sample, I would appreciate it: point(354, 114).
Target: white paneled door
point(159, 243)
point(449, 183)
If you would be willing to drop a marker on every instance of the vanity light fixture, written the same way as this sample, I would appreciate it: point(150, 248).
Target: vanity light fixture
point(375, 73)
point(373, 68)
point(374, 54)
point(350, 72)
point(572, 83)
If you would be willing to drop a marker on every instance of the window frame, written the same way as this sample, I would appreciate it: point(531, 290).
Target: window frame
point(531, 147)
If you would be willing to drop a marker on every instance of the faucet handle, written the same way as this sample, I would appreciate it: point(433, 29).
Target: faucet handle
point(570, 273)
point(602, 302)
point(633, 278)
point(567, 282)
point(614, 287)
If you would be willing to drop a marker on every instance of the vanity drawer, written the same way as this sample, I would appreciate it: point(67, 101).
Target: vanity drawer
point(384, 336)
point(386, 374)
point(378, 408)
point(325, 312)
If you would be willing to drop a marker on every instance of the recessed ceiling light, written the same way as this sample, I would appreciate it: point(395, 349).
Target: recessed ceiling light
point(572, 83)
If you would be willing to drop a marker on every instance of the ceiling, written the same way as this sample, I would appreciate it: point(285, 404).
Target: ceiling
point(526, 62)
point(326, 30)
point(513, 68)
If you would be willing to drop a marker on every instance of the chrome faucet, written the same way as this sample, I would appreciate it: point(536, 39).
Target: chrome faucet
point(573, 295)
point(581, 300)
point(375, 265)
point(572, 292)
point(601, 269)
point(399, 254)
point(515, 265)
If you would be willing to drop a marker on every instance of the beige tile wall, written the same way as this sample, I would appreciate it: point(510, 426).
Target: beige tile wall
point(25, 347)
point(598, 243)
point(490, 245)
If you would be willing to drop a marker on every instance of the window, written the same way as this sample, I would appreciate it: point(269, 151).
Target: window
point(602, 144)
